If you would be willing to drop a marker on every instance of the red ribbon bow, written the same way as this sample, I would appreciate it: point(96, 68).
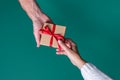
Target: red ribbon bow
point(47, 31)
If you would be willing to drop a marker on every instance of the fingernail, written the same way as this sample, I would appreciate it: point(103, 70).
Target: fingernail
point(59, 41)
point(37, 46)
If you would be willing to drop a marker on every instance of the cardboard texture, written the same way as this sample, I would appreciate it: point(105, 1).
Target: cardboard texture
point(45, 39)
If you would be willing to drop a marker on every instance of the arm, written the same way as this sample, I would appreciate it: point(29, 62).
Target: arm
point(36, 15)
point(89, 71)
point(33, 10)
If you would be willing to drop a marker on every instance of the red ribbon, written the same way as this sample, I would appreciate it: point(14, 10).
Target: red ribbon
point(47, 31)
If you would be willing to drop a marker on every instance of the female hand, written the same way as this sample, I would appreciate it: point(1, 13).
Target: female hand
point(69, 48)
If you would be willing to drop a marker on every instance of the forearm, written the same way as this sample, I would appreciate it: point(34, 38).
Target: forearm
point(90, 72)
point(76, 59)
point(32, 9)
point(81, 63)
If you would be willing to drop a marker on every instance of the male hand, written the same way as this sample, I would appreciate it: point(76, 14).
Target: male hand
point(37, 25)
point(36, 15)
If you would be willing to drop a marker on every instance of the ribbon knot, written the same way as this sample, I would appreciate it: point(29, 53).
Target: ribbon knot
point(47, 31)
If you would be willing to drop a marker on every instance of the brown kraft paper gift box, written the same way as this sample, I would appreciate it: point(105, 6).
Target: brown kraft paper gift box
point(45, 38)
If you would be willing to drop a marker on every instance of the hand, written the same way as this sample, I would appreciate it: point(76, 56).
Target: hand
point(36, 15)
point(37, 25)
point(69, 49)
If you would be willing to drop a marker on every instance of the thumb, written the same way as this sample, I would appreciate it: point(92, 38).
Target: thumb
point(63, 46)
point(37, 38)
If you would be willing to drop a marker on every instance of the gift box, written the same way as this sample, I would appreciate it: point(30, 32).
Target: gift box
point(51, 33)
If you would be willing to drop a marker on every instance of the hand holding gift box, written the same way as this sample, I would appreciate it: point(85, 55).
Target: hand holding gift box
point(51, 33)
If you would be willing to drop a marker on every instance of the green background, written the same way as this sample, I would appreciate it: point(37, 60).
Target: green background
point(93, 24)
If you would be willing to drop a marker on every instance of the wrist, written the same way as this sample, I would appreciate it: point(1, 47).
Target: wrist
point(81, 62)
point(37, 25)
point(36, 22)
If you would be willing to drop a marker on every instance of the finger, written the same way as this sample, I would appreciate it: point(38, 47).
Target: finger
point(37, 37)
point(72, 43)
point(63, 46)
point(59, 49)
point(68, 44)
point(60, 52)
point(74, 47)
